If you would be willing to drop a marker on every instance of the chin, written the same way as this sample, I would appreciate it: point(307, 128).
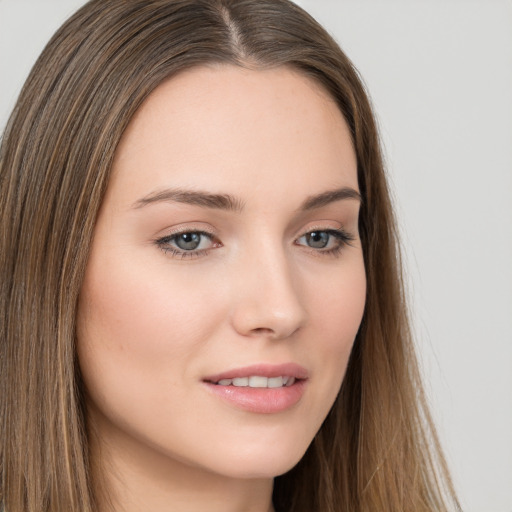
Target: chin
point(261, 462)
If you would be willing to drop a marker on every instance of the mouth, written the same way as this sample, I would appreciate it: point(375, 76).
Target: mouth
point(263, 389)
point(257, 381)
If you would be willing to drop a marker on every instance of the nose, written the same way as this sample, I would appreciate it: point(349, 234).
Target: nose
point(268, 301)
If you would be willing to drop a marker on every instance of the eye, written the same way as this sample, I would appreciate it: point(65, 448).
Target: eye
point(187, 243)
point(317, 239)
point(327, 241)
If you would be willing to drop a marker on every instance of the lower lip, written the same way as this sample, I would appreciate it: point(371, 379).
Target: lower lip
point(260, 400)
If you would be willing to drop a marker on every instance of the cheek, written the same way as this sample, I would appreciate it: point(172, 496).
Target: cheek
point(338, 306)
point(135, 306)
point(336, 315)
point(135, 331)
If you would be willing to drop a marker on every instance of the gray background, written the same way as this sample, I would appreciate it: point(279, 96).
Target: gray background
point(440, 75)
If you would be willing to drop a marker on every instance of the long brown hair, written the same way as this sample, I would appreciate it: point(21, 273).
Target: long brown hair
point(377, 449)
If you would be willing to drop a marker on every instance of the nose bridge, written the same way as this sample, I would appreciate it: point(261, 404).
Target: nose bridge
point(268, 300)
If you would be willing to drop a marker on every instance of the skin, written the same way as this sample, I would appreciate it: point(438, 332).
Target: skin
point(152, 324)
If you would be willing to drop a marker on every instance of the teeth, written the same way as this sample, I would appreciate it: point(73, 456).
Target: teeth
point(257, 381)
point(290, 382)
point(275, 382)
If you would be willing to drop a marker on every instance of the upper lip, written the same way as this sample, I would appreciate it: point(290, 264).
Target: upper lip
point(262, 370)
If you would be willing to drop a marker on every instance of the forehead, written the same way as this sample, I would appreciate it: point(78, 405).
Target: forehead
point(227, 126)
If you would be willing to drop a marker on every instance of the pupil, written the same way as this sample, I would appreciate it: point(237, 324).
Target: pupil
point(188, 241)
point(318, 239)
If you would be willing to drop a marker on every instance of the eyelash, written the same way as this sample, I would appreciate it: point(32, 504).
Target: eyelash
point(175, 252)
point(342, 237)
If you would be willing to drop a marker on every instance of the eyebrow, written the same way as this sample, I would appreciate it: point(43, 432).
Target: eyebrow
point(330, 196)
point(197, 198)
point(230, 203)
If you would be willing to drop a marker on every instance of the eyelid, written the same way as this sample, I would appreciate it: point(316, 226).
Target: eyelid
point(327, 226)
point(191, 227)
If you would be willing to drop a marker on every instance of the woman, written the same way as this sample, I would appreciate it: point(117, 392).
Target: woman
point(200, 283)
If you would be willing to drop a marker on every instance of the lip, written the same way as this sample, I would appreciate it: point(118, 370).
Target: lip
point(260, 400)
point(264, 370)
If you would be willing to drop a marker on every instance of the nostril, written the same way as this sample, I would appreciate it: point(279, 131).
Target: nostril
point(262, 330)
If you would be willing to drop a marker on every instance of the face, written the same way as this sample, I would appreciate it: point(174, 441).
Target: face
point(226, 280)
